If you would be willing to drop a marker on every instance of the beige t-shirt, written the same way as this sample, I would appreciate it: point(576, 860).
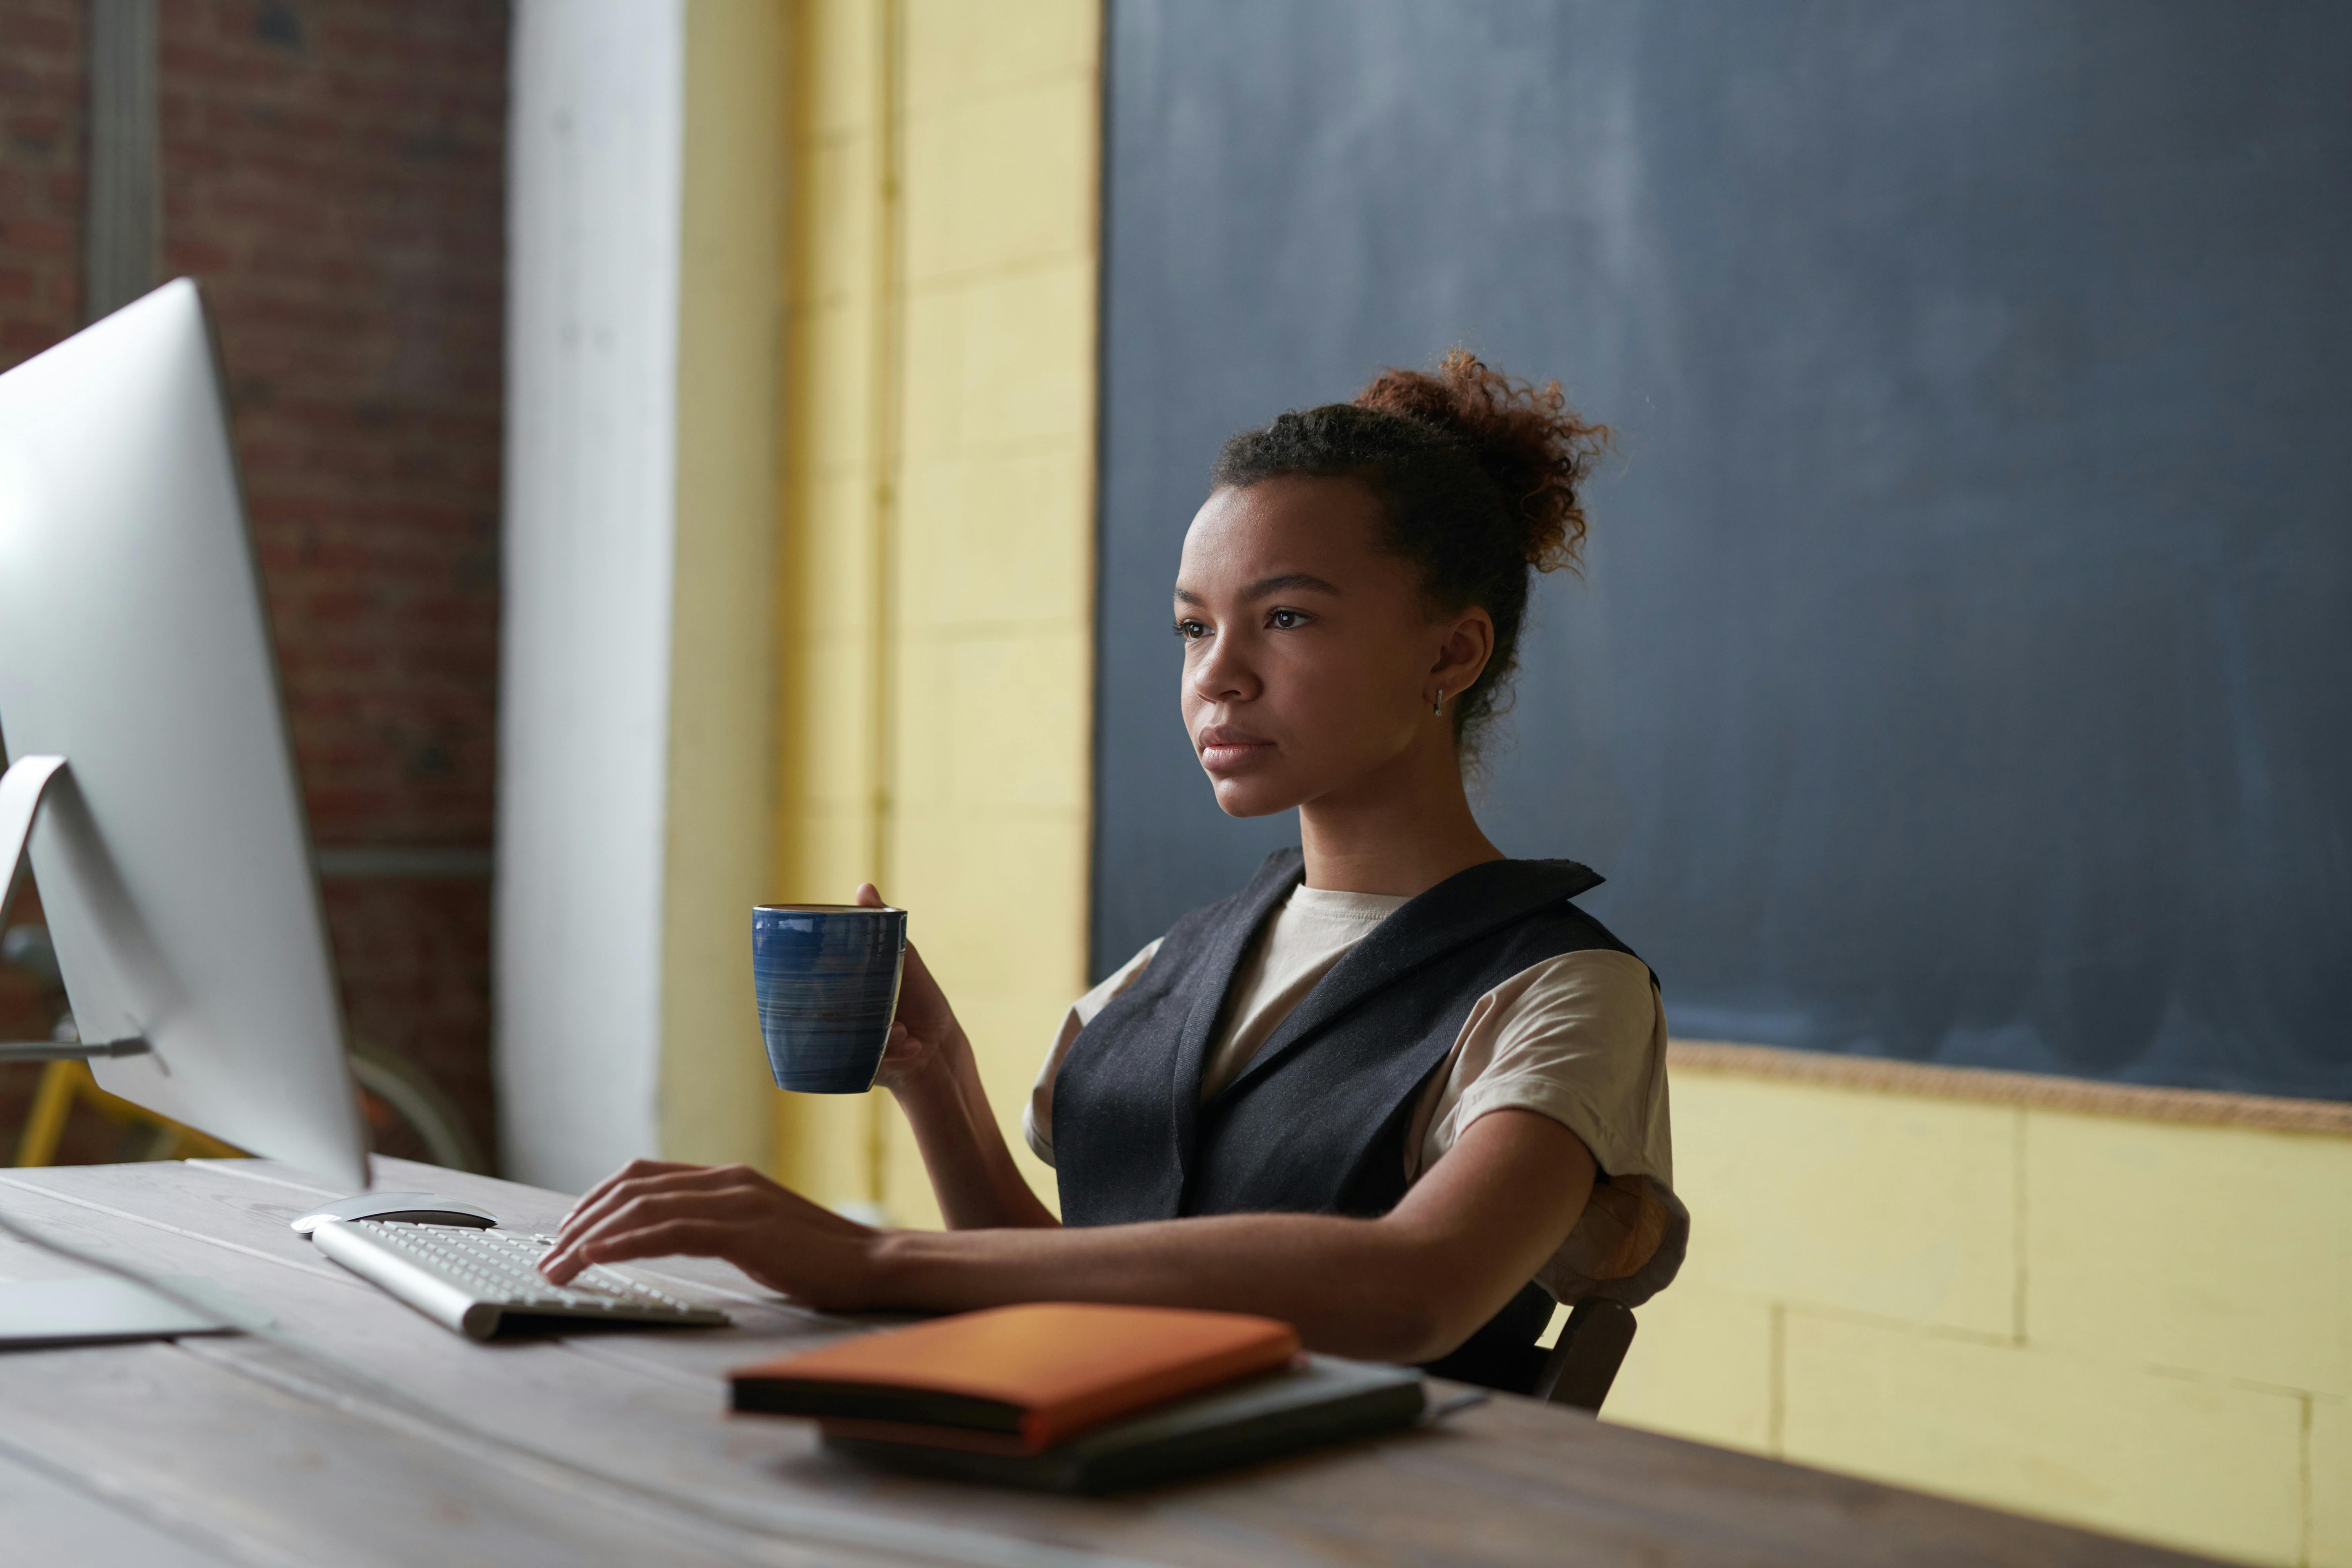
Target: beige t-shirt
point(1580, 1039)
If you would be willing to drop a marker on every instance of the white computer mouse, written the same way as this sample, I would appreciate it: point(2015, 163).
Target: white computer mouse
point(415, 1208)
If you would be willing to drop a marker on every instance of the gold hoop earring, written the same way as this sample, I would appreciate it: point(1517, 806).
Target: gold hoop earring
point(1438, 707)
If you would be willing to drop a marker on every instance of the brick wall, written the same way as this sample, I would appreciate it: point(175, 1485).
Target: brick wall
point(40, 174)
point(333, 173)
point(41, 147)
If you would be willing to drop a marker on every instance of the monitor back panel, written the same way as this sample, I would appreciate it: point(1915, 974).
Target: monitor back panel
point(173, 863)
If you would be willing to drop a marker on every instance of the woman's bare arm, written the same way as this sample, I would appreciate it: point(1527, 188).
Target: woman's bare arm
point(972, 1170)
point(928, 1066)
point(1407, 1287)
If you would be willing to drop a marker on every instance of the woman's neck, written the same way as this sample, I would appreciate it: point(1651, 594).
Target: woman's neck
point(1400, 831)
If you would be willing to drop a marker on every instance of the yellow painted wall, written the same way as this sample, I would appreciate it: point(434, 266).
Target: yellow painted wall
point(714, 1085)
point(2142, 1327)
point(937, 570)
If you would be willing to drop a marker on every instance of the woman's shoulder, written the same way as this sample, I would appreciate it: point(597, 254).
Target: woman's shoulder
point(1584, 979)
point(1107, 990)
point(1276, 875)
point(1605, 987)
point(1575, 929)
point(1193, 934)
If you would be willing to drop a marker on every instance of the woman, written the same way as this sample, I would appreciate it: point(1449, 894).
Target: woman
point(1397, 1091)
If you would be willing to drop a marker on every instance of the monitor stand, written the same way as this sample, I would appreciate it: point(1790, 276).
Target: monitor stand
point(89, 1309)
point(22, 789)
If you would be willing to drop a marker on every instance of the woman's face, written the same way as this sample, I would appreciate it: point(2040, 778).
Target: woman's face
point(1311, 658)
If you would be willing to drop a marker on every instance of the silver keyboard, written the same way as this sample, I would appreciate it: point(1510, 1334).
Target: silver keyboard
point(469, 1280)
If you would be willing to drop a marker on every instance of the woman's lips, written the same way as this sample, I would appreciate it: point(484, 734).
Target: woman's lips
point(1225, 749)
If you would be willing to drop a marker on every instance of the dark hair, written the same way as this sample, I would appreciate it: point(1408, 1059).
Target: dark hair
point(1477, 475)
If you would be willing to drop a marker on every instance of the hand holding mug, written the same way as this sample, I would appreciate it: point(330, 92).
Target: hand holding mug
point(924, 1034)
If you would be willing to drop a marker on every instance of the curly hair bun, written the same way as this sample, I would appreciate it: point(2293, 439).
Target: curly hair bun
point(1525, 437)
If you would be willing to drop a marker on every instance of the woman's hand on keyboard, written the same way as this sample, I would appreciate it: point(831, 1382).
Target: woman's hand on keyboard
point(652, 1208)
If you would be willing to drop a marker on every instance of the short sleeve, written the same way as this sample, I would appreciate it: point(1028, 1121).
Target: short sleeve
point(1580, 1039)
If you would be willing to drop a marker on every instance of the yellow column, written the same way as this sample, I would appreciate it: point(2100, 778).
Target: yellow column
point(937, 562)
point(832, 623)
point(995, 575)
point(715, 1089)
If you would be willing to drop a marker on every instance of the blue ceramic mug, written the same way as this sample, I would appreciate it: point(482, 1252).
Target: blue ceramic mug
point(827, 979)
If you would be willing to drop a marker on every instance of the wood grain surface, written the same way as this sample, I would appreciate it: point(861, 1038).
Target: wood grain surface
point(356, 1431)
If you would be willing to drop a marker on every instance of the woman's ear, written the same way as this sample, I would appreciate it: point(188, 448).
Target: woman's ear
point(1461, 657)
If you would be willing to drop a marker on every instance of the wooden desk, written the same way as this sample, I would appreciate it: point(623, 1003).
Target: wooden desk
point(614, 1447)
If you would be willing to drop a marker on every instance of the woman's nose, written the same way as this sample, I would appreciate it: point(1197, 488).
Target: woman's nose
point(1222, 673)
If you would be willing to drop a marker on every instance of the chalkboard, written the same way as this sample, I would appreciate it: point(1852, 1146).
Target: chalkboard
point(1961, 672)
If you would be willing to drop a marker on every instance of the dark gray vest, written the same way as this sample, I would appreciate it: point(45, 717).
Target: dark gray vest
point(1317, 1123)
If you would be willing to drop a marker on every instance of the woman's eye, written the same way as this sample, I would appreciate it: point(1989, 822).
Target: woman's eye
point(1191, 631)
point(1287, 620)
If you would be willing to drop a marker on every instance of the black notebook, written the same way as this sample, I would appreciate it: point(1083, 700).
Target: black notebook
point(1320, 1400)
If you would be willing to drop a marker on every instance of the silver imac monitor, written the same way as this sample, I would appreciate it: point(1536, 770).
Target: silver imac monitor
point(169, 843)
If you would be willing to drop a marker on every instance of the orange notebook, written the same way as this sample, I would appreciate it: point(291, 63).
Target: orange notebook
point(1015, 1378)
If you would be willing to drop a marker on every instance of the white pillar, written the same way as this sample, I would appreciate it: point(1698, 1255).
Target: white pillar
point(635, 723)
point(596, 129)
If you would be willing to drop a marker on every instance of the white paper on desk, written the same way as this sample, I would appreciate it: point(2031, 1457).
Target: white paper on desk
point(98, 1308)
